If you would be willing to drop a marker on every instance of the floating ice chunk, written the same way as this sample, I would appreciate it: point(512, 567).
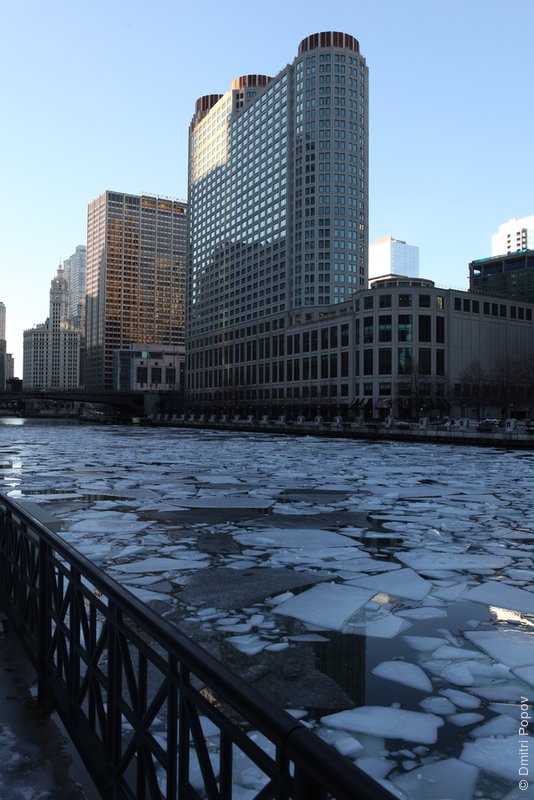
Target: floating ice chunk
point(277, 647)
point(465, 718)
point(405, 673)
point(423, 643)
point(393, 723)
point(507, 692)
point(249, 644)
point(404, 583)
point(385, 627)
point(426, 612)
point(456, 653)
point(501, 725)
point(514, 648)
point(461, 699)
point(293, 539)
point(437, 705)
point(450, 592)
point(347, 745)
point(499, 594)
point(421, 560)
point(308, 637)
point(526, 674)
point(161, 564)
point(449, 778)
point(376, 767)
point(460, 674)
point(326, 606)
point(498, 755)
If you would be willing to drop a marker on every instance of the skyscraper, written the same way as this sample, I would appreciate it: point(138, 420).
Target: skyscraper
point(74, 272)
point(389, 256)
point(278, 207)
point(516, 234)
point(135, 278)
point(52, 350)
point(3, 374)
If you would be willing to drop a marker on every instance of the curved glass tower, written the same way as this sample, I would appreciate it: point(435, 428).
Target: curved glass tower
point(277, 207)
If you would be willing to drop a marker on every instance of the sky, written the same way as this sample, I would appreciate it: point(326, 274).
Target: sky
point(99, 95)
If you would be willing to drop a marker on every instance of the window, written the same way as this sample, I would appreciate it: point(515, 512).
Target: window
point(425, 361)
point(384, 328)
point(405, 327)
point(425, 327)
point(457, 304)
point(440, 362)
point(368, 330)
point(384, 301)
point(405, 300)
point(440, 302)
point(440, 330)
point(405, 361)
point(384, 361)
point(368, 303)
point(424, 301)
point(368, 362)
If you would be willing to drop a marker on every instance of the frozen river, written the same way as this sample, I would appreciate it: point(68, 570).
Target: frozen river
point(382, 592)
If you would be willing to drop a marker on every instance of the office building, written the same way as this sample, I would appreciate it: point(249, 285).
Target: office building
point(512, 236)
point(51, 355)
point(3, 345)
point(74, 272)
point(137, 369)
point(10, 366)
point(135, 278)
point(510, 275)
point(389, 256)
point(277, 210)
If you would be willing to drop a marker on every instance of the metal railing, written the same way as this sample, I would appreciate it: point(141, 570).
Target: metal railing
point(152, 714)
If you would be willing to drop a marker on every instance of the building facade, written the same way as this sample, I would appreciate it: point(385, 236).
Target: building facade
point(403, 348)
point(389, 256)
point(135, 278)
point(277, 208)
point(160, 369)
point(74, 272)
point(516, 234)
point(510, 275)
point(3, 367)
point(51, 354)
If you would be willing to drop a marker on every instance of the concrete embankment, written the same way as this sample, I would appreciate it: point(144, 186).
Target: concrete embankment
point(499, 437)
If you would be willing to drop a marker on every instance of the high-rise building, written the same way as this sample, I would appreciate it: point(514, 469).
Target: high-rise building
point(389, 256)
point(3, 365)
point(51, 356)
point(277, 208)
point(74, 272)
point(135, 278)
point(516, 234)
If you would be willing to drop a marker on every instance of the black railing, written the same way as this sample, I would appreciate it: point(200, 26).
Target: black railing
point(152, 714)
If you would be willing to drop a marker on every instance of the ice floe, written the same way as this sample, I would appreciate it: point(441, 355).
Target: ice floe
point(393, 723)
point(326, 606)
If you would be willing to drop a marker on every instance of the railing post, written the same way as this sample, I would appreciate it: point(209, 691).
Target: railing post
point(44, 633)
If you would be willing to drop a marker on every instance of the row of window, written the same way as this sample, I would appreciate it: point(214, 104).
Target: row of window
point(492, 309)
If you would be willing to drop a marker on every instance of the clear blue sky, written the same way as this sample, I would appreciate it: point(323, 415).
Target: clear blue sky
point(99, 95)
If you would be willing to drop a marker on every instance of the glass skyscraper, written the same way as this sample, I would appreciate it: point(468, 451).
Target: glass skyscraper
point(135, 278)
point(277, 209)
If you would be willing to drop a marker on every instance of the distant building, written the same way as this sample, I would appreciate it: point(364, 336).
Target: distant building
point(10, 366)
point(135, 278)
point(389, 256)
point(510, 275)
point(157, 367)
point(3, 366)
point(2, 321)
point(516, 234)
point(74, 272)
point(51, 357)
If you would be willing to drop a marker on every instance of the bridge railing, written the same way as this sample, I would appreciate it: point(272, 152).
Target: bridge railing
point(153, 715)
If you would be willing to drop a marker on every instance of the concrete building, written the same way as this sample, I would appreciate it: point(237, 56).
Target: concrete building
point(51, 355)
point(161, 368)
point(278, 208)
point(514, 235)
point(389, 256)
point(135, 278)
point(3, 374)
point(74, 272)
point(10, 366)
point(510, 275)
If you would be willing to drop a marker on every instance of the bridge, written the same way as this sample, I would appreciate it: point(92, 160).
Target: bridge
point(124, 402)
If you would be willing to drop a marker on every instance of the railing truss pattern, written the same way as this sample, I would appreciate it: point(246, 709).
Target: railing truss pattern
point(153, 715)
